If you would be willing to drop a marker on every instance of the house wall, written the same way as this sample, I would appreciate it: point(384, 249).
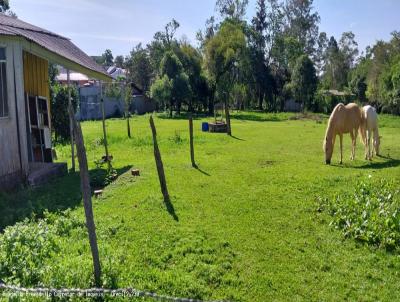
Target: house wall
point(13, 148)
point(36, 76)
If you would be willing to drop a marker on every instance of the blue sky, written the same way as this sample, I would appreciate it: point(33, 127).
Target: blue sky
point(95, 25)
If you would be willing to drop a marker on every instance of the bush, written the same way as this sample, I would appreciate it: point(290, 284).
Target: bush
point(26, 247)
point(371, 214)
point(59, 111)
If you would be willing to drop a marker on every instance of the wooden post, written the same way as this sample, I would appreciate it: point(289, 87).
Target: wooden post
point(159, 163)
point(127, 95)
point(71, 127)
point(87, 197)
point(104, 127)
point(191, 140)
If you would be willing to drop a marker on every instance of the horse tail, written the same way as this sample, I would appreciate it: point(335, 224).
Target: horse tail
point(363, 127)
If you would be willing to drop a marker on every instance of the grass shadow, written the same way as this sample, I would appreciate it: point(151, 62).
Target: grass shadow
point(389, 163)
point(58, 195)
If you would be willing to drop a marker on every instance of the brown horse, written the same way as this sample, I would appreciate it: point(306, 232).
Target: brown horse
point(344, 119)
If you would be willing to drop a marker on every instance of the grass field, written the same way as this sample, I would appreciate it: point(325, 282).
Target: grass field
point(244, 227)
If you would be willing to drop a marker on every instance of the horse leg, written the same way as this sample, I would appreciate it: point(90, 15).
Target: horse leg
point(341, 148)
point(369, 144)
point(353, 144)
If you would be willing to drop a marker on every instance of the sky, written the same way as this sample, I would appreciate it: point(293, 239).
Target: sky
point(95, 25)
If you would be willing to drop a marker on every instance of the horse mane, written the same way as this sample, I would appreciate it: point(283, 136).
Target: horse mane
point(331, 122)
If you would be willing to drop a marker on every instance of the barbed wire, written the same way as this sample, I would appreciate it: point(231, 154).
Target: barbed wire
point(92, 292)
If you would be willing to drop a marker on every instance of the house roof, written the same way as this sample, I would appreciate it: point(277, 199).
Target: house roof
point(56, 44)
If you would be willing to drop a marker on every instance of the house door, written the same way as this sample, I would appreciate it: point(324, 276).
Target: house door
point(38, 127)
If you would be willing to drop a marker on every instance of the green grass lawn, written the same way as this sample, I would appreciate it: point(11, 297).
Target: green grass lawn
point(247, 226)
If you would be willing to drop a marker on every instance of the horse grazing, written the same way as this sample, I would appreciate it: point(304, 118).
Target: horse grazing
point(369, 127)
point(343, 119)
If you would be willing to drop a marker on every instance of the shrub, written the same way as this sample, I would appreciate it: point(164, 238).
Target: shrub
point(26, 247)
point(371, 214)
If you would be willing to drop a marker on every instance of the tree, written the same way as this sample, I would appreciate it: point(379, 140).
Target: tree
point(320, 52)
point(107, 58)
point(304, 81)
point(119, 61)
point(140, 70)
point(223, 54)
point(59, 111)
point(161, 91)
point(233, 9)
point(349, 48)
point(257, 44)
point(4, 5)
point(302, 23)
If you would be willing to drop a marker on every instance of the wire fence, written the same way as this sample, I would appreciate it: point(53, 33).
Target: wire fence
point(90, 292)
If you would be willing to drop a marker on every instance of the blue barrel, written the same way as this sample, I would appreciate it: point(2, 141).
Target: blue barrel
point(204, 127)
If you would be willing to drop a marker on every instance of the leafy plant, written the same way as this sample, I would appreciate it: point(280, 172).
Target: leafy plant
point(371, 214)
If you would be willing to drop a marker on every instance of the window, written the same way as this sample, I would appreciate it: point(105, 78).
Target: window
point(3, 84)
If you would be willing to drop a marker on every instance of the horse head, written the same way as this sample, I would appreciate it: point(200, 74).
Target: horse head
point(328, 149)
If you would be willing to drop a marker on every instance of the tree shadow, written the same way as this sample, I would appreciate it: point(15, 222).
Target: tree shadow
point(171, 209)
point(182, 116)
point(201, 171)
point(257, 118)
point(237, 138)
point(58, 195)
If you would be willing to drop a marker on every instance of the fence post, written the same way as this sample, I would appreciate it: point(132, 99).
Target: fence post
point(71, 127)
point(87, 196)
point(103, 117)
point(191, 140)
point(159, 163)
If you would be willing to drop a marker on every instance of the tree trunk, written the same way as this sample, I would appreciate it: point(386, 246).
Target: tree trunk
point(191, 140)
point(228, 118)
point(87, 197)
point(159, 163)
point(171, 103)
point(211, 104)
point(260, 99)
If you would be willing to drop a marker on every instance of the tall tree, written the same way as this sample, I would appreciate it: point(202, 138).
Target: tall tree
point(233, 9)
point(4, 5)
point(107, 58)
point(304, 81)
point(140, 69)
point(302, 23)
point(119, 61)
point(223, 55)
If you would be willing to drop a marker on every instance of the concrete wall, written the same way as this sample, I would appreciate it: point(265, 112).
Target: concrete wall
point(141, 105)
point(90, 106)
point(13, 151)
point(90, 109)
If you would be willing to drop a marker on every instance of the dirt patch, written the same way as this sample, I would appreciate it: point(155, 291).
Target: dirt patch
point(266, 163)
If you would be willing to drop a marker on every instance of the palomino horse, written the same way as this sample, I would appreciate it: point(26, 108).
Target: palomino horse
point(344, 119)
point(369, 127)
